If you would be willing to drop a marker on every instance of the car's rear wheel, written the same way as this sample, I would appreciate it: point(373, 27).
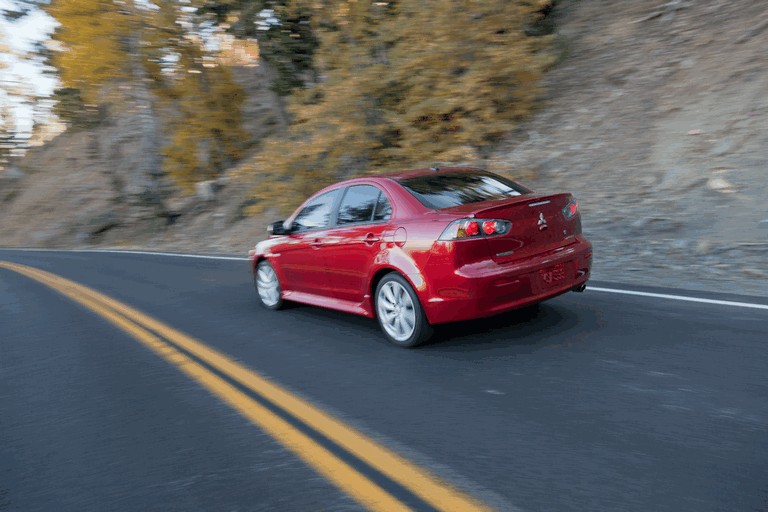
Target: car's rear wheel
point(399, 312)
point(268, 286)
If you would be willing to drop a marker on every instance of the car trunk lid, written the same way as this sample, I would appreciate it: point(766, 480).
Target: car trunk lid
point(538, 222)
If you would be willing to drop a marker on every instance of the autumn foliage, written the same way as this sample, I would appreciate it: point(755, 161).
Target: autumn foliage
point(370, 85)
point(147, 60)
point(403, 83)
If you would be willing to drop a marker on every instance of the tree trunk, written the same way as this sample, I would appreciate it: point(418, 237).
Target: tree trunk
point(144, 183)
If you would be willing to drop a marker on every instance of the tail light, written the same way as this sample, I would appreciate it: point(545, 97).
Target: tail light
point(475, 228)
point(571, 209)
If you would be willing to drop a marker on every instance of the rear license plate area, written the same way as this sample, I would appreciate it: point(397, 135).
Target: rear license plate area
point(552, 276)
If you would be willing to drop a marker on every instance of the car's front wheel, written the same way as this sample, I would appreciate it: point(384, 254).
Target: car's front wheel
point(268, 286)
point(399, 312)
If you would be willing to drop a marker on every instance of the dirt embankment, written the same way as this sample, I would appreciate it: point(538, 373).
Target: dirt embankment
point(75, 191)
point(657, 118)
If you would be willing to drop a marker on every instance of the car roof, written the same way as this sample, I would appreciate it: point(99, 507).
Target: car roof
point(381, 180)
point(413, 173)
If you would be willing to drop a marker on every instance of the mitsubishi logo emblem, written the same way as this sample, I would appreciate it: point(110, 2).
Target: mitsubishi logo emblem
point(542, 222)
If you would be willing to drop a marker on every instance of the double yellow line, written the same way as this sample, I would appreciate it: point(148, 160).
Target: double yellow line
point(176, 348)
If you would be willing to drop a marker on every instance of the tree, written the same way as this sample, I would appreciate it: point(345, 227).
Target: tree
point(148, 62)
point(7, 138)
point(16, 9)
point(6, 133)
point(406, 83)
point(283, 29)
point(20, 94)
point(205, 126)
point(71, 109)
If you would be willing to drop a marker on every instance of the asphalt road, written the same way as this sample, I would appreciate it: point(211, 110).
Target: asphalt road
point(600, 401)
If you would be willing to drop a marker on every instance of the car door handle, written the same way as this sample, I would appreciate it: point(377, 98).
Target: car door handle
point(317, 242)
point(370, 238)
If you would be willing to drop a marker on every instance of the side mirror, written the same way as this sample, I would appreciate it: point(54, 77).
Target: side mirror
point(277, 228)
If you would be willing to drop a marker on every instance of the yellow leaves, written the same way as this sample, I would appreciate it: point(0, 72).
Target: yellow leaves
point(401, 83)
point(405, 83)
point(154, 51)
point(91, 32)
point(206, 126)
point(181, 158)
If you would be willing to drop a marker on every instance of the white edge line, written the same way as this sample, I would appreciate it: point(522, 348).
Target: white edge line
point(681, 297)
point(145, 253)
point(684, 298)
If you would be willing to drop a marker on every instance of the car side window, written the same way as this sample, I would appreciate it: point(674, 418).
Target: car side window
point(383, 209)
point(316, 214)
point(359, 204)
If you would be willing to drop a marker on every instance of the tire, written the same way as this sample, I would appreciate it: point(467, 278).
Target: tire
point(399, 312)
point(268, 286)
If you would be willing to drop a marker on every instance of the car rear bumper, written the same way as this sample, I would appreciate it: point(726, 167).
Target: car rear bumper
point(489, 288)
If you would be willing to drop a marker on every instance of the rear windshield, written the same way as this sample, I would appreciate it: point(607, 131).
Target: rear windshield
point(437, 191)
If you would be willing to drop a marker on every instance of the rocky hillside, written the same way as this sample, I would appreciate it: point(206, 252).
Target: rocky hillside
point(77, 190)
point(657, 118)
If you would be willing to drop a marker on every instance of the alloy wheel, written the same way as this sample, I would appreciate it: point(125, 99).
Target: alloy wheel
point(396, 311)
point(268, 285)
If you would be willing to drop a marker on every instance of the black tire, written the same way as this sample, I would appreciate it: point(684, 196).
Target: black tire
point(390, 285)
point(266, 294)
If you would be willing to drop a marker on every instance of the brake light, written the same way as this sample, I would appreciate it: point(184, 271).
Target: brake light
point(571, 209)
point(489, 227)
point(471, 228)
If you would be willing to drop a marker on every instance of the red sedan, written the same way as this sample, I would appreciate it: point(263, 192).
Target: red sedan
point(424, 247)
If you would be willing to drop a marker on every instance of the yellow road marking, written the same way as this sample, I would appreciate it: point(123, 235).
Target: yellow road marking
point(423, 484)
point(337, 471)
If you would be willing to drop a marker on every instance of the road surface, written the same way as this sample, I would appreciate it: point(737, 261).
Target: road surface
point(600, 401)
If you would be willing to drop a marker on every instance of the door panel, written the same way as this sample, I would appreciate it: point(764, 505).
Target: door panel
point(352, 246)
point(302, 256)
point(349, 260)
point(301, 263)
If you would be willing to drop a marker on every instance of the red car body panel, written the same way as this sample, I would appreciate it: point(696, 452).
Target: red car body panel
point(339, 267)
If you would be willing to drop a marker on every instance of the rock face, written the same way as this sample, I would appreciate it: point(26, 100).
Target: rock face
point(94, 187)
point(658, 122)
point(656, 118)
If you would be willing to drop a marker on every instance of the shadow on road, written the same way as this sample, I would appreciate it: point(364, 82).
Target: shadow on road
point(528, 329)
